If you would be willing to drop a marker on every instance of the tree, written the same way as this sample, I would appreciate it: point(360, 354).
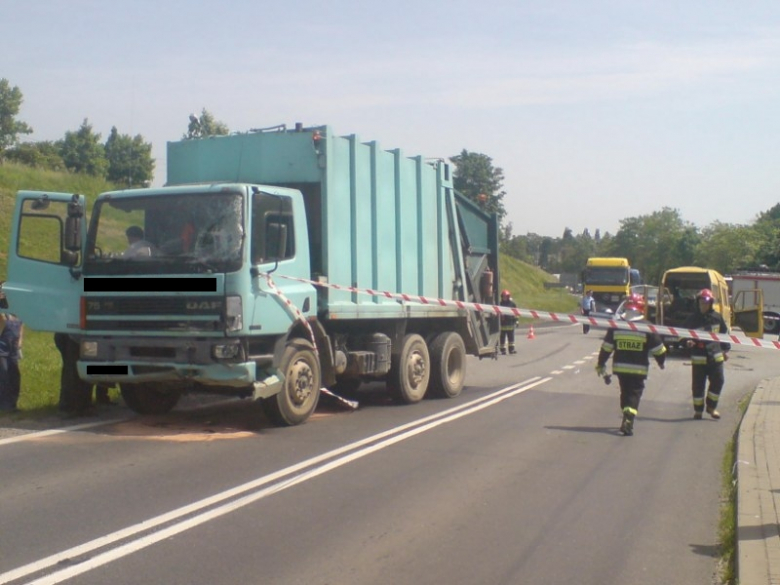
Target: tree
point(129, 159)
point(41, 155)
point(477, 179)
point(727, 247)
point(205, 126)
point(82, 151)
point(10, 128)
point(654, 243)
point(767, 225)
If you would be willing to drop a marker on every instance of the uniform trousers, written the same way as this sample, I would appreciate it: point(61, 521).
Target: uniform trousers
point(701, 373)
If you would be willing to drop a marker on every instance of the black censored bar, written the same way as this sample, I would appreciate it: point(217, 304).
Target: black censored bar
point(208, 284)
point(107, 371)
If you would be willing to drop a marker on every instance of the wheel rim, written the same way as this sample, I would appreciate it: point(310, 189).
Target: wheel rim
point(301, 382)
point(415, 369)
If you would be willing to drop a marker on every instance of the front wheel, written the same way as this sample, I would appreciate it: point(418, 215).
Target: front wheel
point(410, 370)
point(301, 390)
point(448, 365)
point(149, 397)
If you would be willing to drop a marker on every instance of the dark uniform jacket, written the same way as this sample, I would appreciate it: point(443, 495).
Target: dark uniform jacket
point(508, 321)
point(707, 352)
point(631, 350)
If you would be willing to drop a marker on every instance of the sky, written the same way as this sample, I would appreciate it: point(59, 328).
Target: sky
point(596, 111)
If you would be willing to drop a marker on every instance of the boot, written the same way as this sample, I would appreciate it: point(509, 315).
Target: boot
point(713, 413)
point(627, 426)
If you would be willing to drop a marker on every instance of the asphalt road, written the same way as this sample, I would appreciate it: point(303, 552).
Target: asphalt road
point(521, 479)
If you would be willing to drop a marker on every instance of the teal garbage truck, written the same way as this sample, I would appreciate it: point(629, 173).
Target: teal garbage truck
point(231, 278)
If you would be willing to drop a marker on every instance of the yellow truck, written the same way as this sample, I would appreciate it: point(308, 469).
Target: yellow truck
point(610, 280)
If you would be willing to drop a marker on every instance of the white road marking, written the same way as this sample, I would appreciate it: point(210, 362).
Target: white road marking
point(305, 470)
point(50, 432)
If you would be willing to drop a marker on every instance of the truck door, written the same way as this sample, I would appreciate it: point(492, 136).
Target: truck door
point(747, 312)
point(44, 283)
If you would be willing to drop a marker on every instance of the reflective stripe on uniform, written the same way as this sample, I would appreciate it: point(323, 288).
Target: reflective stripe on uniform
point(630, 410)
point(658, 350)
point(608, 347)
point(626, 368)
point(699, 360)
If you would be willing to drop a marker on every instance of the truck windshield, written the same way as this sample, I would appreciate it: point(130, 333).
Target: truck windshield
point(166, 234)
point(606, 276)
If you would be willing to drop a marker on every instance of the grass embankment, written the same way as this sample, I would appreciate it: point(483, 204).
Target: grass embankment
point(41, 364)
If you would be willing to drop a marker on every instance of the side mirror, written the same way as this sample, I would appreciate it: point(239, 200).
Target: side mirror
point(42, 203)
point(73, 225)
point(69, 258)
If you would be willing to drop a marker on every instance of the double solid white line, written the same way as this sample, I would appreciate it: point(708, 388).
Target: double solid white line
point(153, 530)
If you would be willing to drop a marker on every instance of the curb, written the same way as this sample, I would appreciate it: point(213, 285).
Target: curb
point(758, 469)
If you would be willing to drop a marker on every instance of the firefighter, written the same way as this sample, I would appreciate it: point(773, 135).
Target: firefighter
point(630, 362)
point(508, 324)
point(707, 357)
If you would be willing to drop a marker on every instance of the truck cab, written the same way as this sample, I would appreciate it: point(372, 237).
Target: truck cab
point(610, 280)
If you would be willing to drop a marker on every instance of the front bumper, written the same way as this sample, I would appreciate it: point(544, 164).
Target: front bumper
point(236, 375)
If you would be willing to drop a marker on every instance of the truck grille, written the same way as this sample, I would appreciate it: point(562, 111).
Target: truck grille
point(155, 313)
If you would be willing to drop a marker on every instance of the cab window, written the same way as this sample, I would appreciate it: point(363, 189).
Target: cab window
point(273, 237)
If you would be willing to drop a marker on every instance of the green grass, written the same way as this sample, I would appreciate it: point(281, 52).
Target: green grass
point(727, 525)
point(526, 283)
point(40, 366)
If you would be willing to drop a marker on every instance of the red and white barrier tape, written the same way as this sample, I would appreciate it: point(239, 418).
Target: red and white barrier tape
point(548, 316)
point(290, 307)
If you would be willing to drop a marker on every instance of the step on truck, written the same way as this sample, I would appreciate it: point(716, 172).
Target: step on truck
point(219, 281)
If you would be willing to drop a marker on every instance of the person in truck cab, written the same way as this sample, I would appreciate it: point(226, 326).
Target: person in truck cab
point(137, 246)
point(707, 357)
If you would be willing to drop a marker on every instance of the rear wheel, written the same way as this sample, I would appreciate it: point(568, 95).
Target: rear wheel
point(448, 365)
point(301, 390)
point(150, 397)
point(410, 370)
point(771, 326)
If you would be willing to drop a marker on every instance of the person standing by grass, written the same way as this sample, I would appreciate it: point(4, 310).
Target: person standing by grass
point(11, 331)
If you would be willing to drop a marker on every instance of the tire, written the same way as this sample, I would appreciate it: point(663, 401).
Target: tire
point(149, 397)
point(301, 390)
point(410, 371)
point(771, 326)
point(448, 365)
